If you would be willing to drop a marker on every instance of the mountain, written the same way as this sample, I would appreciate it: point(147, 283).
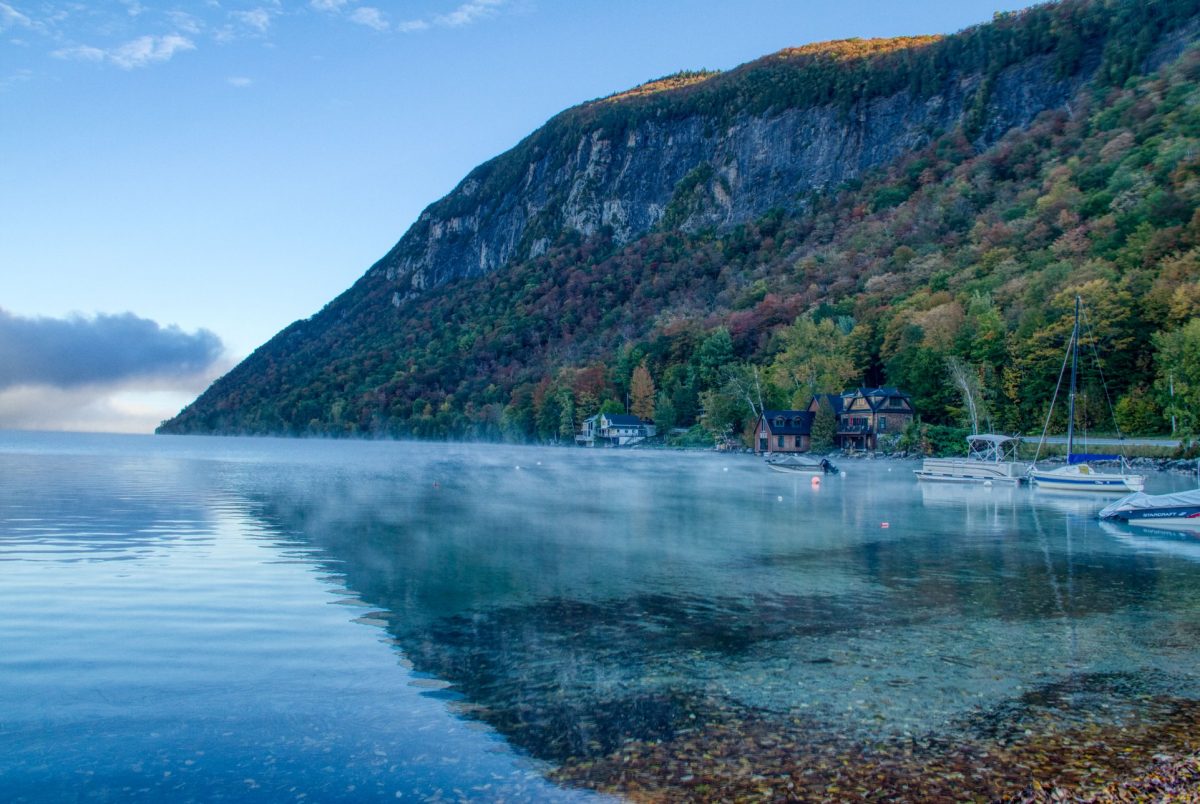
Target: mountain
point(855, 211)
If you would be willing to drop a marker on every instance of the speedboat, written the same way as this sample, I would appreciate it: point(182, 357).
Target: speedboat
point(989, 459)
point(1178, 510)
point(800, 464)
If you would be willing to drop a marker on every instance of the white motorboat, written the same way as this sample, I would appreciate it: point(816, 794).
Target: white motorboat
point(990, 458)
point(1078, 475)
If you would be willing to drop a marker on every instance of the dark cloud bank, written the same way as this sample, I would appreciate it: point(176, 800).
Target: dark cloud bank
point(78, 351)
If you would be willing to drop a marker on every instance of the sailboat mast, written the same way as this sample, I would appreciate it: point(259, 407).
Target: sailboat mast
point(1071, 397)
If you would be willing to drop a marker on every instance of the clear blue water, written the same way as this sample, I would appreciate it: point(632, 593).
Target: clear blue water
point(260, 619)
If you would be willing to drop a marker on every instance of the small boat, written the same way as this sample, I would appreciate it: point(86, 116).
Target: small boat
point(1082, 477)
point(1178, 510)
point(800, 464)
point(990, 458)
point(1077, 475)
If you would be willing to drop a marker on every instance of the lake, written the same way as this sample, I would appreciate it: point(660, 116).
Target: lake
point(192, 618)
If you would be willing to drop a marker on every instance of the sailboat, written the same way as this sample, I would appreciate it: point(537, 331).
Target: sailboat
point(1078, 475)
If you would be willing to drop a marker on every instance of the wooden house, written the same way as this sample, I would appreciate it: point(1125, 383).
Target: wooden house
point(783, 431)
point(867, 413)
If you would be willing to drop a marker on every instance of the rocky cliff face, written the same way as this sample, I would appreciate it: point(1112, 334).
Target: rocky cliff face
point(698, 171)
point(457, 328)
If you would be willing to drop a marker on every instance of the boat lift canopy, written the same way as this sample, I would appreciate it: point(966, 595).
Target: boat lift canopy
point(991, 447)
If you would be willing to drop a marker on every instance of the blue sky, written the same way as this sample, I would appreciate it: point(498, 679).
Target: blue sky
point(203, 173)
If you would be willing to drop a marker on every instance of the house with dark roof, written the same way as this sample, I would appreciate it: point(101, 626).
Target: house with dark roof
point(783, 431)
point(864, 414)
point(613, 430)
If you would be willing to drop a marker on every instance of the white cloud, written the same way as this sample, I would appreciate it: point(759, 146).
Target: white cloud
point(370, 17)
point(465, 14)
point(258, 19)
point(80, 53)
point(10, 18)
point(409, 26)
point(469, 12)
point(239, 81)
point(97, 409)
point(148, 49)
point(183, 21)
point(18, 77)
point(137, 53)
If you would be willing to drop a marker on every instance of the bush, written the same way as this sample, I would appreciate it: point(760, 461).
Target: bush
point(933, 439)
point(696, 436)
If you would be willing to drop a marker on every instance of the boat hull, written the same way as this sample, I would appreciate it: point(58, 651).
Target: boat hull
point(1060, 480)
point(797, 469)
point(935, 477)
point(950, 470)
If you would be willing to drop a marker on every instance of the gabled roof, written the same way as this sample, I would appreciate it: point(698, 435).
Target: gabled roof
point(623, 419)
point(835, 401)
point(885, 392)
point(797, 422)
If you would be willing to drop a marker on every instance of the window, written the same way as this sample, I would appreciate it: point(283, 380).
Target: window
point(779, 441)
point(779, 421)
point(882, 423)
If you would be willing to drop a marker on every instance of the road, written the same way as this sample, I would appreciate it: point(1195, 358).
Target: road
point(1170, 443)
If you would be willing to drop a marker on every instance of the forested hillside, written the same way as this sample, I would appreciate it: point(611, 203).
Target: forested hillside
point(1070, 165)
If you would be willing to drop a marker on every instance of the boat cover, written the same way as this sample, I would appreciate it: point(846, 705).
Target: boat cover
point(1084, 457)
point(791, 459)
point(1140, 501)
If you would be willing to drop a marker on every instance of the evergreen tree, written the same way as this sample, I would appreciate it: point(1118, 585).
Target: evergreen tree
point(824, 427)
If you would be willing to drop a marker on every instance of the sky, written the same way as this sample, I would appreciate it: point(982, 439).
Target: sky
point(181, 180)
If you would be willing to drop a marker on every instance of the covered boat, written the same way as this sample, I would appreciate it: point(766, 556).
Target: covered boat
point(1178, 510)
point(800, 464)
point(989, 458)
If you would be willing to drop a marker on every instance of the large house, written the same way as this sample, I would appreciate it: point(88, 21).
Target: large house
point(864, 414)
point(613, 430)
point(783, 431)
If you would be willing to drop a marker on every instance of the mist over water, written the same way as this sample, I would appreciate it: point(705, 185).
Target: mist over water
point(201, 618)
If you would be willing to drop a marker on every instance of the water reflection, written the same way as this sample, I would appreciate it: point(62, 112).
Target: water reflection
point(634, 619)
point(587, 602)
point(163, 642)
point(1150, 540)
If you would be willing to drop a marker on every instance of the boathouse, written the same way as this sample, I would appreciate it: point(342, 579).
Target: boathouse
point(783, 431)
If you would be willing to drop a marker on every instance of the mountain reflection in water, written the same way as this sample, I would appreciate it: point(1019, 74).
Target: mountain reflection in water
point(646, 621)
point(581, 603)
